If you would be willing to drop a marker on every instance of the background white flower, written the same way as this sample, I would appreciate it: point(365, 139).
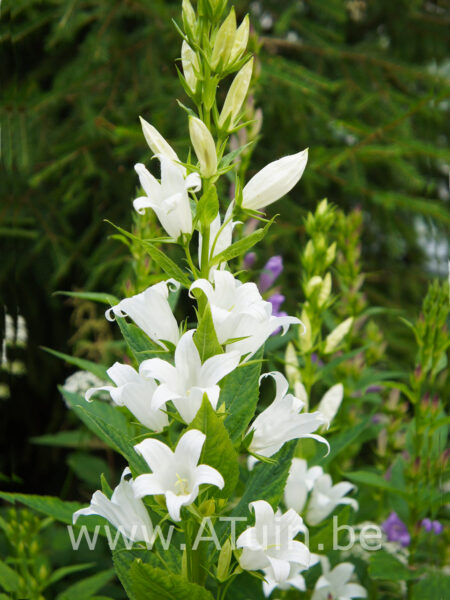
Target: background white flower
point(325, 497)
point(294, 580)
point(176, 474)
point(299, 482)
point(151, 312)
point(187, 381)
point(270, 543)
point(134, 392)
point(126, 512)
point(282, 421)
point(334, 583)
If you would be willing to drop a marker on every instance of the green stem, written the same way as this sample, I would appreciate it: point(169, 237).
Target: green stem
point(205, 252)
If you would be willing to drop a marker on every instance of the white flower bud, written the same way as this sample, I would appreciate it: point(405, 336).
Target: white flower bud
point(157, 143)
point(240, 40)
point(204, 146)
point(337, 335)
point(236, 94)
point(274, 181)
point(224, 41)
point(189, 60)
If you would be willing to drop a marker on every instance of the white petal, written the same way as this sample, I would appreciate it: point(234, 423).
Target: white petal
point(91, 391)
point(147, 485)
point(157, 455)
point(160, 369)
point(215, 368)
point(187, 358)
point(274, 181)
point(174, 504)
point(264, 515)
point(122, 374)
point(280, 568)
point(190, 446)
point(354, 590)
point(207, 474)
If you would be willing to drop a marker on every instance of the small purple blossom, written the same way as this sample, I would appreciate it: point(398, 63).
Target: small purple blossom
point(272, 270)
point(432, 526)
point(249, 260)
point(276, 300)
point(316, 360)
point(396, 530)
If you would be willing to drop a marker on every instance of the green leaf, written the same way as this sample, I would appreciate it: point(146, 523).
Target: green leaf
point(84, 590)
point(108, 299)
point(435, 586)
point(218, 451)
point(151, 583)
point(88, 468)
point(60, 510)
point(166, 263)
point(81, 363)
point(322, 540)
point(240, 393)
point(385, 566)
point(241, 246)
point(205, 337)
point(138, 342)
point(374, 480)
point(114, 438)
point(64, 571)
point(208, 207)
point(64, 439)
point(9, 579)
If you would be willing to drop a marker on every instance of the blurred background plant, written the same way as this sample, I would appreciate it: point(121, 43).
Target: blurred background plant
point(364, 85)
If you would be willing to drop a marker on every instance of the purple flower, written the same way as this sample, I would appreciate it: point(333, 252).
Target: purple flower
point(249, 260)
point(432, 526)
point(271, 271)
point(396, 530)
point(276, 300)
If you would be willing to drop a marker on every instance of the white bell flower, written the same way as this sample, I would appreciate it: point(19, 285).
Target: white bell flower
point(331, 401)
point(126, 512)
point(176, 474)
point(333, 584)
point(238, 311)
point(294, 580)
point(169, 199)
point(325, 497)
point(187, 381)
point(134, 392)
point(151, 312)
point(274, 181)
point(270, 543)
point(282, 421)
point(299, 483)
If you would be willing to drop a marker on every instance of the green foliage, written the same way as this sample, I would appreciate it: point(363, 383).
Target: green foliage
point(150, 583)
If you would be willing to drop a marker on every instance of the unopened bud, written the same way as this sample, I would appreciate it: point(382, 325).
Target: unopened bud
point(223, 564)
point(189, 19)
point(337, 335)
point(331, 253)
point(190, 64)
point(224, 41)
point(325, 290)
point(155, 140)
point(240, 40)
point(204, 146)
point(207, 508)
point(236, 95)
point(322, 207)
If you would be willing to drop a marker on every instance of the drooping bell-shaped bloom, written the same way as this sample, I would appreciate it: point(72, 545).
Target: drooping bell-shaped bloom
point(185, 382)
point(134, 392)
point(396, 530)
point(176, 474)
point(325, 497)
point(299, 483)
point(126, 512)
point(270, 273)
point(151, 312)
point(282, 421)
point(238, 311)
point(220, 236)
point(270, 542)
point(333, 584)
point(294, 580)
point(169, 199)
point(274, 181)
